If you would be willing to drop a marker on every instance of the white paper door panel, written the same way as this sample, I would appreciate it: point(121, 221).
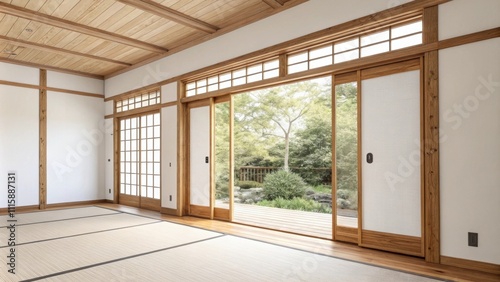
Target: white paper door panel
point(391, 133)
point(199, 174)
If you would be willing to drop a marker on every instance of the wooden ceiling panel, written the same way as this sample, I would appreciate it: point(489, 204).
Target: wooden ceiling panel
point(6, 24)
point(94, 12)
point(49, 6)
point(111, 15)
point(34, 5)
point(176, 36)
point(231, 16)
point(18, 27)
point(100, 37)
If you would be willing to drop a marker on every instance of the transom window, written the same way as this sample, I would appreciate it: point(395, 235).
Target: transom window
point(139, 101)
point(239, 76)
point(385, 40)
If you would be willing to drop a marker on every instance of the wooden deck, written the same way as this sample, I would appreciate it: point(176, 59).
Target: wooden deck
point(301, 222)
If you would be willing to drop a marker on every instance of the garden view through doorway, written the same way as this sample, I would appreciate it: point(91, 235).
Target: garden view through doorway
point(282, 156)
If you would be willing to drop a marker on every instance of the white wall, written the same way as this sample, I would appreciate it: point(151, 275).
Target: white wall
point(169, 92)
point(470, 150)
point(169, 157)
point(469, 86)
point(460, 17)
point(20, 74)
point(75, 82)
point(281, 27)
point(75, 148)
point(19, 141)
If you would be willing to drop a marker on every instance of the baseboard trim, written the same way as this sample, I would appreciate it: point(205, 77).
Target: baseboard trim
point(72, 204)
point(471, 264)
point(20, 209)
point(169, 211)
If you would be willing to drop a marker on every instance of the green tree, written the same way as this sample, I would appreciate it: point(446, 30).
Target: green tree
point(346, 136)
point(274, 114)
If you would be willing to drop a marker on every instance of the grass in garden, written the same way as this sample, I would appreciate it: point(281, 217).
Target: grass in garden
point(296, 204)
point(325, 189)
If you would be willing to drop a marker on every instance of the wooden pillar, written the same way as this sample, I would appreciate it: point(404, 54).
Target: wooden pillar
point(431, 139)
point(116, 163)
point(42, 173)
point(182, 182)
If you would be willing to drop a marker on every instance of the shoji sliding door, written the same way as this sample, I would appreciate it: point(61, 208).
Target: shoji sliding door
point(390, 156)
point(199, 193)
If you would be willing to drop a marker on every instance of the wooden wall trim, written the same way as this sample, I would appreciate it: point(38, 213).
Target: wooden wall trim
point(156, 107)
point(74, 204)
point(42, 172)
point(74, 92)
point(4, 211)
point(471, 264)
point(469, 38)
point(54, 89)
point(431, 140)
point(19, 84)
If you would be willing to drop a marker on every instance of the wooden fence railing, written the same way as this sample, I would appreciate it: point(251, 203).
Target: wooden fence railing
point(255, 173)
point(258, 173)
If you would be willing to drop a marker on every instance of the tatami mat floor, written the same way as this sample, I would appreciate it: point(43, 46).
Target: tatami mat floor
point(97, 244)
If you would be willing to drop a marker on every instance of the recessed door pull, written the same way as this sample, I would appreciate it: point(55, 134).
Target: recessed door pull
point(369, 158)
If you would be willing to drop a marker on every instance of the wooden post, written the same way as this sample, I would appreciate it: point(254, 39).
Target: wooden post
point(431, 139)
point(42, 140)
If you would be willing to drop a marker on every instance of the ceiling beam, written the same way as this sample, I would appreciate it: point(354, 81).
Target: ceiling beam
point(170, 14)
point(57, 50)
point(275, 4)
point(69, 25)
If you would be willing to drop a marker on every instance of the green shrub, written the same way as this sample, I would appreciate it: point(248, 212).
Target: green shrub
point(343, 194)
point(343, 203)
point(283, 184)
point(296, 204)
point(326, 189)
point(249, 184)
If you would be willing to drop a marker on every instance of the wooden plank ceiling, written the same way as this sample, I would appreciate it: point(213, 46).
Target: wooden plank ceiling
point(105, 37)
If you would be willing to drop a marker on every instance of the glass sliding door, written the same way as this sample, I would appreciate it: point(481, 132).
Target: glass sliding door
point(222, 159)
point(346, 157)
